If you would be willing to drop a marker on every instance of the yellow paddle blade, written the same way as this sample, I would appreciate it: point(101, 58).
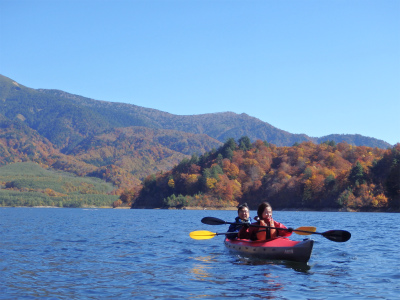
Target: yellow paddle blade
point(310, 230)
point(202, 235)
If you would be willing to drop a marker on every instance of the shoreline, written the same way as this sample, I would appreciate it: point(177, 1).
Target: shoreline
point(218, 208)
point(281, 209)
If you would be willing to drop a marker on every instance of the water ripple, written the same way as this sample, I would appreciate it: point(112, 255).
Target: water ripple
point(115, 254)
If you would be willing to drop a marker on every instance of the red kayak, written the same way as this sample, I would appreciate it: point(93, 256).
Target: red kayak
point(275, 249)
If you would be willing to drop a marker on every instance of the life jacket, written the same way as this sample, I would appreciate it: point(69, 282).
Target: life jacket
point(266, 233)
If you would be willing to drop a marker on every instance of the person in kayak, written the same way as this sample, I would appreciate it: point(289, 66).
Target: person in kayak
point(243, 219)
point(264, 218)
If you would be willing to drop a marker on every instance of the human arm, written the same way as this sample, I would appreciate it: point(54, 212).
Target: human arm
point(234, 228)
point(283, 233)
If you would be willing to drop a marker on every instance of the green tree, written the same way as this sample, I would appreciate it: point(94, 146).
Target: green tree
point(215, 171)
point(150, 182)
point(357, 174)
point(203, 179)
point(219, 159)
point(194, 159)
point(228, 148)
point(330, 143)
point(393, 179)
point(244, 143)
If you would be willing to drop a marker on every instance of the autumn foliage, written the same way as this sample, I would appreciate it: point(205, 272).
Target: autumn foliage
point(306, 175)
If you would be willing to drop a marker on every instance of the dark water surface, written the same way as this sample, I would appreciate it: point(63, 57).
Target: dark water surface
point(148, 254)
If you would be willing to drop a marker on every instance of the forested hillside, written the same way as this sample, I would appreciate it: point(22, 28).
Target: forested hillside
point(304, 176)
point(19, 143)
point(122, 143)
point(140, 150)
point(28, 184)
point(66, 119)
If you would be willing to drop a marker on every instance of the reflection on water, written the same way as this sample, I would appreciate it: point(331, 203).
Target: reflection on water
point(297, 266)
point(208, 258)
point(199, 272)
point(242, 277)
point(199, 269)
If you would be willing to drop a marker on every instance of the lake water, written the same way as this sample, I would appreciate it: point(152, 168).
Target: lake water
point(148, 254)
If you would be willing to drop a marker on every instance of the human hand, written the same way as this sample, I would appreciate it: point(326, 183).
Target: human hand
point(290, 229)
point(246, 224)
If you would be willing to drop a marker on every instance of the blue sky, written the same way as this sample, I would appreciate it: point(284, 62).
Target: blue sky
point(313, 67)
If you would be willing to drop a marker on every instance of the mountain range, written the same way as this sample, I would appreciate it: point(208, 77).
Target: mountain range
point(90, 135)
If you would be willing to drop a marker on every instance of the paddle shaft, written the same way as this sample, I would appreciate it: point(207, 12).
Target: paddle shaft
point(252, 225)
point(206, 235)
point(333, 235)
point(216, 221)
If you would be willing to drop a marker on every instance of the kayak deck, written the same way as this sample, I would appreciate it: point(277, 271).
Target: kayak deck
point(275, 249)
